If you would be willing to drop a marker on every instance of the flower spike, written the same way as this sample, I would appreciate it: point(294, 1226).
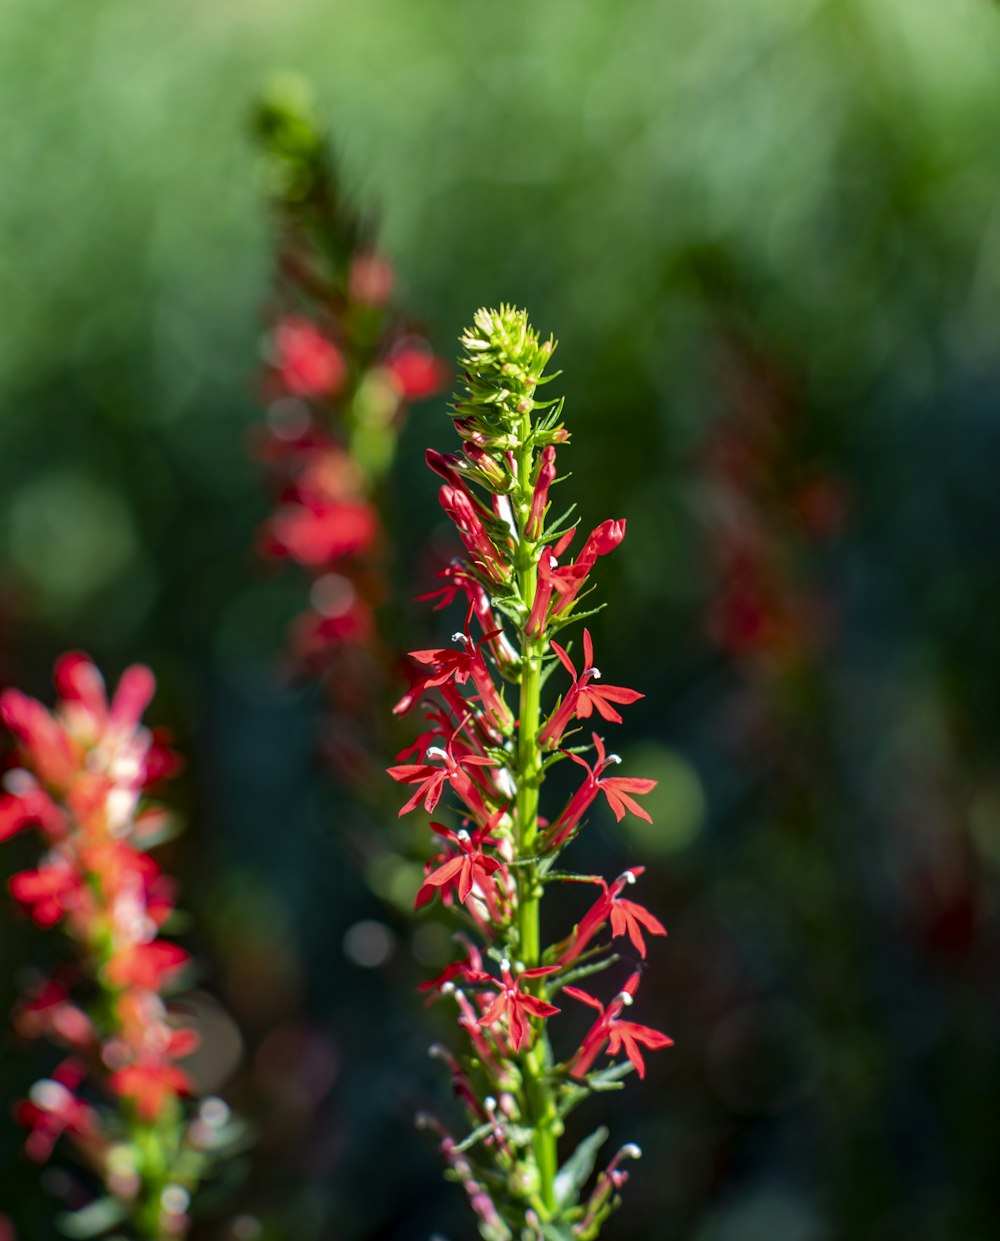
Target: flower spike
point(485, 753)
point(86, 768)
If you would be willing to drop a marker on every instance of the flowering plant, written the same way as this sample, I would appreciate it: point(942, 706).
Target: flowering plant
point(82, 785)
point(342, 365)
point(490, 745)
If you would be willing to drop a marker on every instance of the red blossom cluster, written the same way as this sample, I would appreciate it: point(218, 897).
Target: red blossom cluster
point(487, 747)
point(81, 784)
point(341, 368)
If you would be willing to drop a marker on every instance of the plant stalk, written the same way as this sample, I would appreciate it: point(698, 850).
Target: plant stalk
point(539, 1102)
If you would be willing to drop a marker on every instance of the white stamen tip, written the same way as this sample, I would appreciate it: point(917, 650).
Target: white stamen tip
point(437, 1051)
point(595, 673)
point(448, 988)
point(435, 751)
point(625, 998)
point(463, 836)
point(175, 1200)
point(214, 1112)
point(629, 877)
point(631, 1151)
point(505, 964)
point(614, 758)
point(459, 637)
point(490, 1103)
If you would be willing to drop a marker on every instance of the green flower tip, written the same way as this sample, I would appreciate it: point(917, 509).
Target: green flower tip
point(504, 355)
point(285, 119)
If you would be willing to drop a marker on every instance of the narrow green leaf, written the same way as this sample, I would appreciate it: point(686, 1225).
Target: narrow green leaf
point(93, 1220)
point(575, 1172)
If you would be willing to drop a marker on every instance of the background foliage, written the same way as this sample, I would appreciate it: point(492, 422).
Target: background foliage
point(691, 196)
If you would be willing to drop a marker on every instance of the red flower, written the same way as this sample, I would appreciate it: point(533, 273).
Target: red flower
point(50, 892)
point(30, 808)
point(151, 1086)
point(431, 780)
point(48, 1010)
point(471, 963)
point(53, 1109)
point(618, 790)
point(85, 705)
point(48, 748)
point(309, 364)
point(417, 373)
point(627, 918)
point(314, 635)
point(446, 664)
point(145, 965)
point(467, 514)
point(471, 868)
point(619, 1035)
point(566, 583)
point(582, 698)
point(319, 534)
point(515, 1005)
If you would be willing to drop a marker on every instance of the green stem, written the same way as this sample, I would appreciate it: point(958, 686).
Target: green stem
point(540, 1105)
point(147, 1214)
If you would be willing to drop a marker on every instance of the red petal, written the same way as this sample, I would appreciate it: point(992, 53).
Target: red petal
point(446, 872)
point(577, 994)
point(564, 659)
point(538, 1007)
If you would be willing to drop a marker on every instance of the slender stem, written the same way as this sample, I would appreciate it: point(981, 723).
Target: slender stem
point(539, 1103)
point(147, 1214)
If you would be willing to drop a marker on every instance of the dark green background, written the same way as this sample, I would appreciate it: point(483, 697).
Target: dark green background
point(651, 179)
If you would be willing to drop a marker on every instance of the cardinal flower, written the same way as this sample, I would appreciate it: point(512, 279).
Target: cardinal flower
point(30, 808)
point(50, 892)
point(431, 780)
point(459, 666)
point(464, 511)
point(417, 373)
point(151, 1086)
point(540, 496)
point(470, 869)
point(619, 790)
point(471, 963)
point(49, 1011)
point(583, 697)
point(320, 534)
point(52, 1109)
point(558, 587)
point(514, 1005)
point(146, 965)
point(626, 917)
point(620, 1036)
point(308, 363)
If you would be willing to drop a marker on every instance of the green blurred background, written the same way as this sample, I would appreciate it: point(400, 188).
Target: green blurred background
point(709, 203)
